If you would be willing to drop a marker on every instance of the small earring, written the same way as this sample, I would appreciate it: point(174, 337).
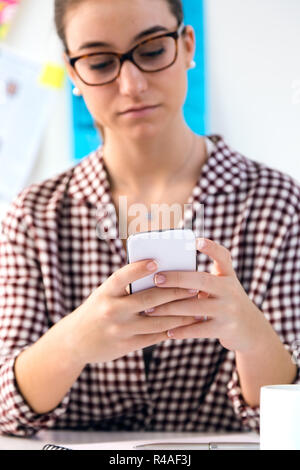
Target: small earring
point(193, 64)
point(76, 91)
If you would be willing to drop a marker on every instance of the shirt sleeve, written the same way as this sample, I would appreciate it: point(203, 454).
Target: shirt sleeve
point(281, 307)
point(23, 320)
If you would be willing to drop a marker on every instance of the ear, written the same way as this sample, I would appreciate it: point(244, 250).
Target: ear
point(189, 40)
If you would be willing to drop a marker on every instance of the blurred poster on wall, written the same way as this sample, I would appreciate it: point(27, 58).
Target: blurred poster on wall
point(195, 105)
point(84, 135)
point(26, 98)
point(7, 12)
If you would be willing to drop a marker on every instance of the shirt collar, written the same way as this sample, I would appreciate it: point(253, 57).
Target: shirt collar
point(222, 173)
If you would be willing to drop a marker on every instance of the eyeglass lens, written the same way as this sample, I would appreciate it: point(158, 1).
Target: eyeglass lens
point(151, 56)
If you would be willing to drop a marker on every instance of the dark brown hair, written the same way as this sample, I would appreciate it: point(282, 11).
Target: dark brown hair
point(61, 7)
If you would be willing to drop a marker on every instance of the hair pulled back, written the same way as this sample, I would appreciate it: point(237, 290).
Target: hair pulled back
point(61, 7)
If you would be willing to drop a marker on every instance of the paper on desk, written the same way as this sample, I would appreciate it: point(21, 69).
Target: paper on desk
point(201, 439)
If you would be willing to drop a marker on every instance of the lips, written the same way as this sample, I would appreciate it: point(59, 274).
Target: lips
point(142, 108)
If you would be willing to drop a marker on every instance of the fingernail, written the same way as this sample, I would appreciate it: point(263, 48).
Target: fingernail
point(159, 279)
point(152, 266)
point(201, 243)
point(149, 310)
point(193, 291)
point(202, 318)
point(170, 333)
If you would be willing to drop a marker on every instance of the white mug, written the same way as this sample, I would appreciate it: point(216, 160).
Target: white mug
point(280, 417)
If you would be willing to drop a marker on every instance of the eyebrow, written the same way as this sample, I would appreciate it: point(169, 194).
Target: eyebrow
point(152, 30)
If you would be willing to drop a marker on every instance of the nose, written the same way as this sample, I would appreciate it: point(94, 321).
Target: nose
point(132, 80)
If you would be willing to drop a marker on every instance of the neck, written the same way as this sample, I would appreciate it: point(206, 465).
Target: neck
point(136, 165)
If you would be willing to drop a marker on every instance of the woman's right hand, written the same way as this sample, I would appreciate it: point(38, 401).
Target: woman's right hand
point(109, 324)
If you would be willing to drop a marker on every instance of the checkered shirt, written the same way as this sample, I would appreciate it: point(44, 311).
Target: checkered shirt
point(51, 259)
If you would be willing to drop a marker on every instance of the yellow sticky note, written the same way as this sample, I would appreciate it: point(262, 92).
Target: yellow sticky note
point(52, 75)
point(3, 30)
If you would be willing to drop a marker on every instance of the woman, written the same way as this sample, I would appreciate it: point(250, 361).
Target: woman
point(72, 337)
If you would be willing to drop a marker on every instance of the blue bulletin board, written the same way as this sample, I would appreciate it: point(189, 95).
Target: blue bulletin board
point(84, 135)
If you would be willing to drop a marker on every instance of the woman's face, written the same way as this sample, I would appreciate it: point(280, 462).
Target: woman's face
point(117, 22)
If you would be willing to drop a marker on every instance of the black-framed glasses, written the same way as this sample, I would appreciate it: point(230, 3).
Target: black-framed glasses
point(150, 55)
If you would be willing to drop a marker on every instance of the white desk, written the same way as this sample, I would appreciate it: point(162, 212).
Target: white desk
point(81, 437)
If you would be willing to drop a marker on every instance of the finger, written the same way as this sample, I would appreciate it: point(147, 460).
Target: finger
point(219, 254)
point(188, 307)
point(148, 298)
point(145, 340)
point(203, 281)
point(199, 329)
point(145, 325)
point(117, 283)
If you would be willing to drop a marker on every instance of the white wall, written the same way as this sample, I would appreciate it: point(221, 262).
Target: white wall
point(253, 62)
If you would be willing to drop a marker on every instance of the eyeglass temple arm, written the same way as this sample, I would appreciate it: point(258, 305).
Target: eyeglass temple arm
point(181, 28)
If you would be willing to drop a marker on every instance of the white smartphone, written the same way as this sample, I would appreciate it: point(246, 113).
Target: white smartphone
point(173, 249)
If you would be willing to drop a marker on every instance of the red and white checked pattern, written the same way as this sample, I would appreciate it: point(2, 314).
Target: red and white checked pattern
point(51, 259)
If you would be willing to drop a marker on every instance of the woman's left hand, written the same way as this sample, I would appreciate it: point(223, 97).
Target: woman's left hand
point(230, 315)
